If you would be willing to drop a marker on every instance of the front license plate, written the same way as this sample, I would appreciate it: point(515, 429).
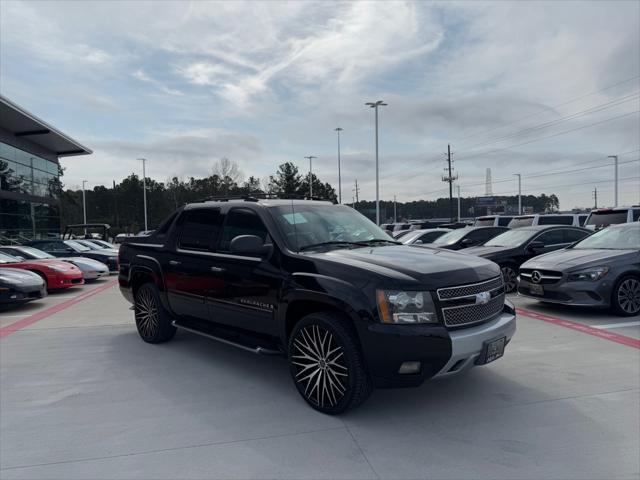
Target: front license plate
point(492, 350)
point(536, 289)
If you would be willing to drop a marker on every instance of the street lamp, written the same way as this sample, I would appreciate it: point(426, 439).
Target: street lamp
point(375, 105)
point(615, 181)
point(338, 130)
point(519, 175)
point(310, 157)
point(84, 207)
point(144, 190)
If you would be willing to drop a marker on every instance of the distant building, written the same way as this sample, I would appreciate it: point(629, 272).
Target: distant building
point(29, 177)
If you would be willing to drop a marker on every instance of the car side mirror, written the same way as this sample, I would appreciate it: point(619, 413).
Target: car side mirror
point(250, 245)
point(69, 250)
point(467, 242)
point(536, 245)
point(418, 242)
point(19, 257)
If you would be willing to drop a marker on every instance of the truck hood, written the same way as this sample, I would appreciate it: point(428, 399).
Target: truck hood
point(431, 267)
point(569, 258)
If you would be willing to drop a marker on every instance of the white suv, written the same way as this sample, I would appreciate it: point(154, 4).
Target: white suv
point(603, 217)
point(573, 219)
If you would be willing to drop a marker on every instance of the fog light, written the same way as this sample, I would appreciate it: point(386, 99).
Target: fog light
point(408, 368)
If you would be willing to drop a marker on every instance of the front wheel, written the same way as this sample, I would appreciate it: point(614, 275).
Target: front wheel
point(509, 277)
point(152, 320)
point(625, 299)
point(327, 365)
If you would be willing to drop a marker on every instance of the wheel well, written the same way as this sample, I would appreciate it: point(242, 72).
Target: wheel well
point(139, 278)
point(301, 308)
point(42, 275)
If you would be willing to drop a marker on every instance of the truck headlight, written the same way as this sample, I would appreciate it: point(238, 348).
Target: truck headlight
point(589, 275)
point(405, 307)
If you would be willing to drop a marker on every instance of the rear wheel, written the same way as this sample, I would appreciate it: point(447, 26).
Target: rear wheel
point(509, 277)
point(625, 299)
point(327, 365)
point(152, 319)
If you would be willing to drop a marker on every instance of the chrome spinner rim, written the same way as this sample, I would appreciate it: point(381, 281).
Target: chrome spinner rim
point(319, 366)
point(629, 295)
point(146, 313)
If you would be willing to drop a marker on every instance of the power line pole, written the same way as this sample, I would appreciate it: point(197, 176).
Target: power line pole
point(84, 207)
point(144, 190)
point(519, 175)
point(595, 197)
point(356, 190)
point(450, 177)
point(310, 157)
point(395, 216)
point(338, 130)
point(615, 185)
point(458, 187)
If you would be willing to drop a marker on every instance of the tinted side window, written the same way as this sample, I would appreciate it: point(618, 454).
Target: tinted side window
point(241, 222)
point(556, 220)
point(479, 236)
point(582, 219)
point(200, 229)
point(552, 237)
point(571, 236)
point(504, 221)
point(636, 215)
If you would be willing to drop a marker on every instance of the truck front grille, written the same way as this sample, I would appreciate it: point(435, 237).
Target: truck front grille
point(451, 293)
point(470, 314)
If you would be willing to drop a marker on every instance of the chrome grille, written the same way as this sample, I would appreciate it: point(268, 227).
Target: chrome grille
point(469, 314)
point(462, 291)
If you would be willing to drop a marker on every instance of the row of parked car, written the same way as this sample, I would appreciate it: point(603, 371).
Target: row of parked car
point(589, 269)
point(29, 271)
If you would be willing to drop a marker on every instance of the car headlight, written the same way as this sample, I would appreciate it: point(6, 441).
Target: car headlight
point(589, 274)
point(405, 307)
point(57, 268)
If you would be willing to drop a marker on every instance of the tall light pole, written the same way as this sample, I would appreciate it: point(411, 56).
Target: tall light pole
point(84, 206)
point(519, 175)
point(615, 186)
point(310, 157)
point(144, 190)
point(458, 187)
point(395, 211)
point(375, 105)
point(338, 130)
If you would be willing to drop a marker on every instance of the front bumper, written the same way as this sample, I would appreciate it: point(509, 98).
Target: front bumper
point(580, 294)
point(95, 274)
point(441, 352)
point(17, 294)
point(467, 344)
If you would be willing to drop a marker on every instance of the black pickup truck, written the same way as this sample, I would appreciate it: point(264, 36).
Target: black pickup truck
point(349, 307)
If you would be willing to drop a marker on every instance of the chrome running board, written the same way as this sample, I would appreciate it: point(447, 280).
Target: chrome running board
point(256, 350)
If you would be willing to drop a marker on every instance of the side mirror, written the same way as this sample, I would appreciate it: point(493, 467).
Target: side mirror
point(467, 242)
point(19, 257)
point(249, 245)
point(418, 242)
point(69, 250)
point(535, 245)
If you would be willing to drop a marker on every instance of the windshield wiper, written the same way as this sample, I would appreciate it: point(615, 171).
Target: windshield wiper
point(322, 244)
point(378, 240)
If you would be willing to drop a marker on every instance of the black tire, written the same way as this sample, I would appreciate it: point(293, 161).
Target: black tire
point(625, 297)
point(327, 365)
point(43, 277)
point(510, 278)
point(152, 319)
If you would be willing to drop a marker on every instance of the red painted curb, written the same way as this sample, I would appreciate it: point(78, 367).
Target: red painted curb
point(36, 317)
point(613, 337)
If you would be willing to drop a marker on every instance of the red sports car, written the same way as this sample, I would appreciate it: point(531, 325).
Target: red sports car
point(56, 273)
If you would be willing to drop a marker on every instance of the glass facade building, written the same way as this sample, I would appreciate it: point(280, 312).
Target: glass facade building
point(29, 174)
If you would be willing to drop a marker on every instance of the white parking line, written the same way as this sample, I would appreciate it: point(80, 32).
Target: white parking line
point(617, 325)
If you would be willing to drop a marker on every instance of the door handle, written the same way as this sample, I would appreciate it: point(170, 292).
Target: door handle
point(174, 262)
point(217, 269)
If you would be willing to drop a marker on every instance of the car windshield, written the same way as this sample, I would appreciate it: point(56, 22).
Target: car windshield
point(33, 253)
point(4, 258)
point(619, 238)
point(411, 236)
point(78, 247)
point(89, 245)
point(521, 222)
point(451, 237)
point(484, 222)
point(306, 226)
point(599, 219)
point(512, 238)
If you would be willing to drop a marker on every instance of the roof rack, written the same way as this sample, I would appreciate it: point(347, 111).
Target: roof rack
point(256, 197)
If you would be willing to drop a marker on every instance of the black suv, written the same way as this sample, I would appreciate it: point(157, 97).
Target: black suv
point(349, 307)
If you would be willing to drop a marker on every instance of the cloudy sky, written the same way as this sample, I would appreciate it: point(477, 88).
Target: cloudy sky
point(545, 89)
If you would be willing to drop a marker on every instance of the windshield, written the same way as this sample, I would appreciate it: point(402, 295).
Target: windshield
point(619, 238)
point(484, 222)
point(78, 247)
point(512, 238)
point(521, 222)
point(451, 237)
point(4, 258)
point(89, 245)
point(307, 225)
point(607, 218)
point(33, 253)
